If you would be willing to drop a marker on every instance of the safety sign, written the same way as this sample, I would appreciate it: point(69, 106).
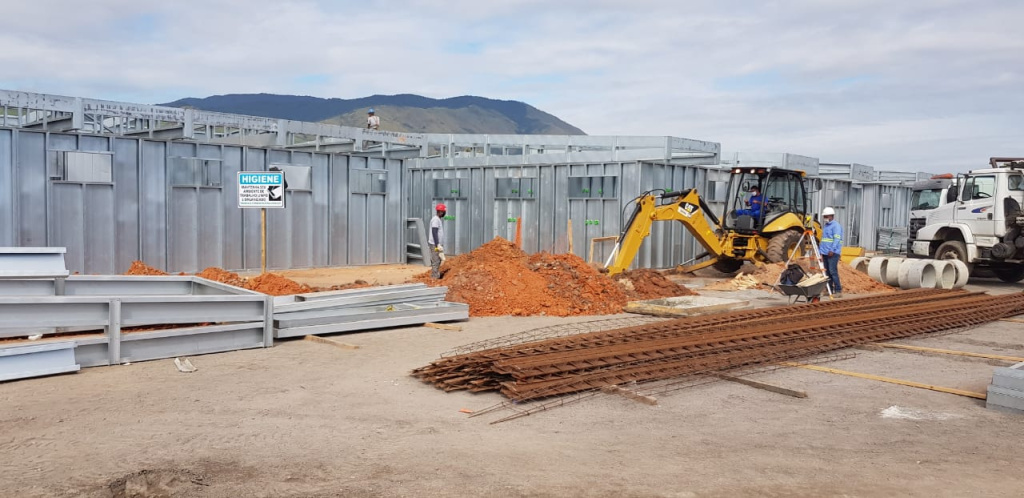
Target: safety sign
point(260, 189)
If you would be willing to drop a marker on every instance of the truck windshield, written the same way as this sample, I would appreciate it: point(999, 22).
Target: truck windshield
point(925, 199)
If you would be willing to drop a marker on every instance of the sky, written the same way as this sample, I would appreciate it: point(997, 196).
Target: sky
point(925, 85)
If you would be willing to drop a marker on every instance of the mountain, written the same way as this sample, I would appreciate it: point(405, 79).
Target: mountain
point(409, 113)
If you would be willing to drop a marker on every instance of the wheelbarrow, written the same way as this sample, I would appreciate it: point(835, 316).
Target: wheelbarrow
point(809, 289)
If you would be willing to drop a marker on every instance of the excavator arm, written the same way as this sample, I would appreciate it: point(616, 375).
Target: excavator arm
point(685, 207)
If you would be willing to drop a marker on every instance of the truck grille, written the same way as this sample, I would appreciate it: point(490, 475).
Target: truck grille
point(915, 225)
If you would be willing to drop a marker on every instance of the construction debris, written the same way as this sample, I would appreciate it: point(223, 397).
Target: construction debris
point(765, 276)
point(710, 345)
point(330, 342)
point(442, 326)
point(649, 284)
point(184, 366)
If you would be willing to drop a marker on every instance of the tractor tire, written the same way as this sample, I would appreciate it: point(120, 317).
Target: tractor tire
point(954, 249)
point(727, 265)
point(781, 245)
point(1011, 274)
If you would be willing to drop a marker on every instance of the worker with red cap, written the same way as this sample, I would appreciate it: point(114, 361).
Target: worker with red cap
point(436, 240)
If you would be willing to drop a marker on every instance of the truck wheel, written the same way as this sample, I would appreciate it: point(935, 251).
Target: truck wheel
point(782, 245)
point(1011, 274)
point(727, 265)
point(954, 249)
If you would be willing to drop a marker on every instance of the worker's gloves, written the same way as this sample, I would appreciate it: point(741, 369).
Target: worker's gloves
point(438, 248)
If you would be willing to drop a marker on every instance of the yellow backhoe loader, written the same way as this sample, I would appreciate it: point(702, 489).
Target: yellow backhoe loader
point(765, 213)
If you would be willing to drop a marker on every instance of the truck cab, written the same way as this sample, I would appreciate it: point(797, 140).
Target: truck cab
point(925, 196)
point(981, 221)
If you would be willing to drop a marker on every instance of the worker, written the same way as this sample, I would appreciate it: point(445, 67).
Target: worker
point(831, 247)
point(436, 240)
point(372, 121)
point(754, 202)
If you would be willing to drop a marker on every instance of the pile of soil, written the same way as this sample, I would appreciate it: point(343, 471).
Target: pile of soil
point(644, 284)
point(276, 285)
point(500, 279)
point(140, 268)
point(853, 281)
point(223, 276)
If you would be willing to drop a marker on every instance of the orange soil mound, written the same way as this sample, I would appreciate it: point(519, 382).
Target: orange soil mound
point(500, 279)
point(140, 268)
point(643, 284)
point(276, 285)
point(223, 276)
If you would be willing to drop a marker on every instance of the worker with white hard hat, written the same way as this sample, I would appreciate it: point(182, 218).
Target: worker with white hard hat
point(831, 247)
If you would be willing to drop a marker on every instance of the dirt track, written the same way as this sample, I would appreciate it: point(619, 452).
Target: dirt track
point(307, 419)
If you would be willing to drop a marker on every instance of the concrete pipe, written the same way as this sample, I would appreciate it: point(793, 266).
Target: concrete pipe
point(904, 279)
point(891, 272)
point(860, 264)
point(945, 273)
point(917, 274)
point(876, 268)
point(962, 273)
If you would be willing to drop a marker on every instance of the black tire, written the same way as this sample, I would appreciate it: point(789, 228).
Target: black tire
point(781, 245)
point(954, 249)
point(727, 265)
point(1011, 274)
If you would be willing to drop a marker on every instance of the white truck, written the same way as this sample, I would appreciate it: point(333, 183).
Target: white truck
point(981, 223)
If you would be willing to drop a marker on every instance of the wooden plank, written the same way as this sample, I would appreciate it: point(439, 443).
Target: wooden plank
point(908, 383)
point(1014, 359)
point(764, 386)
point(1014, 320)
point(613, 389)
point(329, 342)
point(442, 326)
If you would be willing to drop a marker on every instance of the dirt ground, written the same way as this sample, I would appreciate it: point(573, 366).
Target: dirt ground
point(309, 419)
point(376, 274)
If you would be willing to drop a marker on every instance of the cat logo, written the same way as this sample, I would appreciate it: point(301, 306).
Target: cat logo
point(687, 209)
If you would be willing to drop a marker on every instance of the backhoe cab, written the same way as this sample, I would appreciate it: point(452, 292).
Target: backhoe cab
point(765, 213)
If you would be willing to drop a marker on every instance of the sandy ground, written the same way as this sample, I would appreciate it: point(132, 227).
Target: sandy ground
point(308, 419)
point(375, 274)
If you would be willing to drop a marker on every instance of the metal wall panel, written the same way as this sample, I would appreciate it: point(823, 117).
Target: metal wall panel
point(7, 188)
point(126, 202)
point(30, 171)
point(153, 209)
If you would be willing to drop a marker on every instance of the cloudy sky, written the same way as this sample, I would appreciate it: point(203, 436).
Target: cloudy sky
point(933, 85)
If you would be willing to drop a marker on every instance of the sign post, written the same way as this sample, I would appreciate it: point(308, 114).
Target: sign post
point(259, 189)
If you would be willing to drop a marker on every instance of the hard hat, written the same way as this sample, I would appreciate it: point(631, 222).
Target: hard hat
point(440, 207)
point(370, 111)
point(828, 212)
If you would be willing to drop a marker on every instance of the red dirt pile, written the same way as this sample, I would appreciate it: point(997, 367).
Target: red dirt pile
point(500, 279)
point(140, 268)
point(223, 276)
point(644, 284)
point(276, 285)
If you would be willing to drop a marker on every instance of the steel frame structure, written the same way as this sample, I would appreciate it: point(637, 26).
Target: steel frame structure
point(76, 114)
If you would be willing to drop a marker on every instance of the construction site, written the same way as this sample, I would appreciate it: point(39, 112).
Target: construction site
point(196, 303)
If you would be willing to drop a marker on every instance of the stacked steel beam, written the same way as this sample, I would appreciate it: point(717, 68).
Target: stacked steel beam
point(711, 344)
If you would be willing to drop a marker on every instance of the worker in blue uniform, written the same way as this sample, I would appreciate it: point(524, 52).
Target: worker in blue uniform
point(756, 201)
point(831, 247)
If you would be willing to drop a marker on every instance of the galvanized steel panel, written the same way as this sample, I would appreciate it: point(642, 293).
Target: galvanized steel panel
point(7, 188)
point(153, 204)
point(30, 171)
point(126, 203)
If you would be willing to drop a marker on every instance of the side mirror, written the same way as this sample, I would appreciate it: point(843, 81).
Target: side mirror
point(951, 195)
point(812, 185)
point(746, 187)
